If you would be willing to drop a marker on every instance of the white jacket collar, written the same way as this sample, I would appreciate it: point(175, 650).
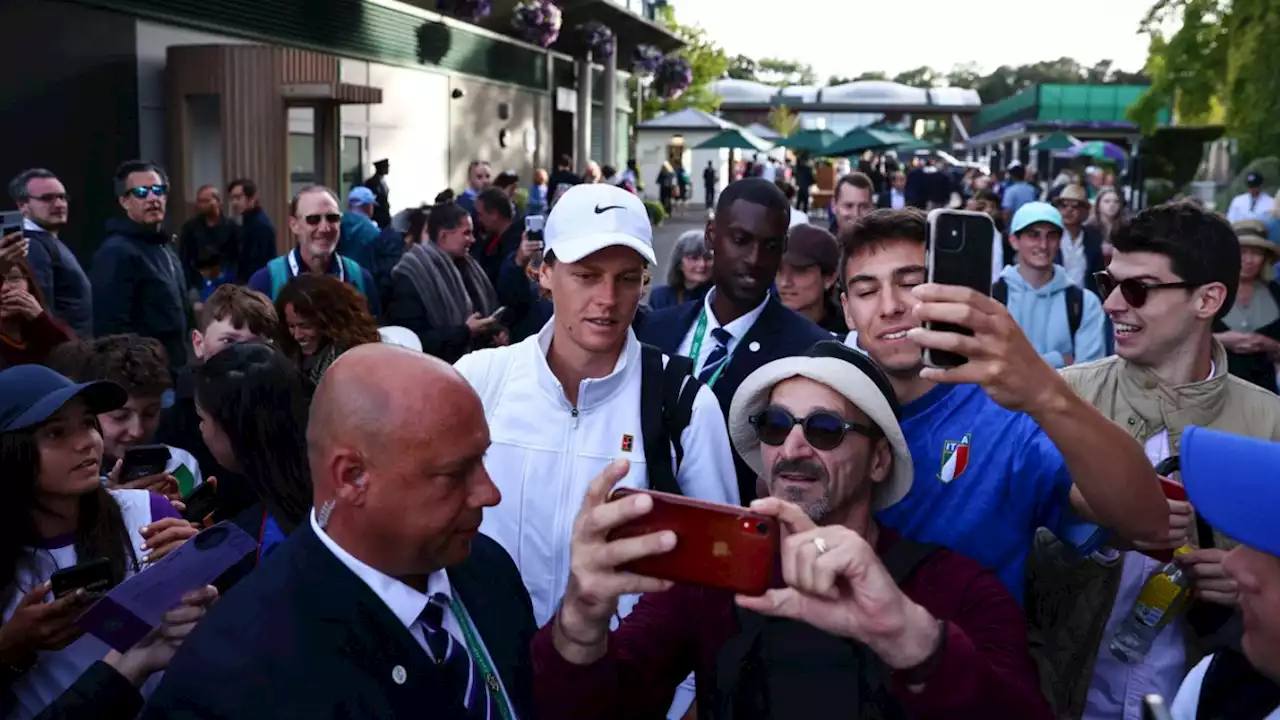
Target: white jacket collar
point(592, 391)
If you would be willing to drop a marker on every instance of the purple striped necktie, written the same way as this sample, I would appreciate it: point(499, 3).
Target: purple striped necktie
point(452, 655)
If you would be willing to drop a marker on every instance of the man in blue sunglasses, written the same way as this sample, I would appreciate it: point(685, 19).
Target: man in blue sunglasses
point(138, 284)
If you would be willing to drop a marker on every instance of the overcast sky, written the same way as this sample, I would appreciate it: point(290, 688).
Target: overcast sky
point(847, 37)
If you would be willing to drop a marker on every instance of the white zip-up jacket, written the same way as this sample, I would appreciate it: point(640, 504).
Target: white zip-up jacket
point(545, 452)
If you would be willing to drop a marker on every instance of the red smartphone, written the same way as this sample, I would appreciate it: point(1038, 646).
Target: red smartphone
point(1173, 490)
point(718, 546)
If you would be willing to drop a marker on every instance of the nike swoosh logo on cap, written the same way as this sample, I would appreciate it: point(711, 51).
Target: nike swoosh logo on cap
point(601, 210)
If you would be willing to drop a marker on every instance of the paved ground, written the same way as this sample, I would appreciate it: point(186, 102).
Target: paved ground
point(666, 234)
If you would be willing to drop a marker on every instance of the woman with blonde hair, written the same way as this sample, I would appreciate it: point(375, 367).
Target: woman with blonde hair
point(1108, 211)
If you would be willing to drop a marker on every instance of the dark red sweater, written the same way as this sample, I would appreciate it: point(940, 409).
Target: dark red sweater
point(39, 337)
point(985, 672)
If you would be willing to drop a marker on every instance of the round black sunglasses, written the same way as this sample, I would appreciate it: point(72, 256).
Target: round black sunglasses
point(824, 430)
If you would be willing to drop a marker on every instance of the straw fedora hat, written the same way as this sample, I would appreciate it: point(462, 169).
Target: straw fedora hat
point(1072, 192)
point(1253, 233)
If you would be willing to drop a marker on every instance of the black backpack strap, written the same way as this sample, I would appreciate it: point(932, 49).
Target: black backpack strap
point(653, 427)
point(1000, 292)
point(1075, 310)
point(679, 390)
point(904, 556)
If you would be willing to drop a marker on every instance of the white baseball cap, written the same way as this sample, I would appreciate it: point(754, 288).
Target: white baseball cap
point(592, 217)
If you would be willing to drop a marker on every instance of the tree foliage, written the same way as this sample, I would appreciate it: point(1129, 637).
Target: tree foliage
point(709, 63)
point(1220, 65)
point(772, 71)
point(783, 121)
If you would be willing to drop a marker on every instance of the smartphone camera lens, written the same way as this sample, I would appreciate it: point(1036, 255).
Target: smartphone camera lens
point(762, 528)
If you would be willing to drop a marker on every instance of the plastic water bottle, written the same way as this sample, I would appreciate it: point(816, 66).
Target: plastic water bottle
point(1158, 603)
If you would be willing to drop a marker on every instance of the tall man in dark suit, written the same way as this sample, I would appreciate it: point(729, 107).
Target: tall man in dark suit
point(388, 603)
point(740, 325)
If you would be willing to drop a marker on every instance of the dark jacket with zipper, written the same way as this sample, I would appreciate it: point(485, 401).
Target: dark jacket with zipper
point(138, 287)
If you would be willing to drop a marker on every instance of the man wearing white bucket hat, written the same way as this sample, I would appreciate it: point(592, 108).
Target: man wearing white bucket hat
point(908, 629)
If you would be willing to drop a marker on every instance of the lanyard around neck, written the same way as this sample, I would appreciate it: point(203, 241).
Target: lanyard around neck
point(481, 659)
point(699, 331)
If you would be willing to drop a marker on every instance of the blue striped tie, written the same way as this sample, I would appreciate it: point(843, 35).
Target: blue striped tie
point(452, 655)
point(719, 354)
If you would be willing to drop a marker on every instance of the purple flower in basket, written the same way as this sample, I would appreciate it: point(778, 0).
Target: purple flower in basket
point(673, 76)
point(646, 59)
point(598, 37)
point(538, 21)
point(472, 10)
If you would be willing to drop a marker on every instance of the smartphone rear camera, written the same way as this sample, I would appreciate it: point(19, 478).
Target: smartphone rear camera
point(950, 240)
point(762, 528)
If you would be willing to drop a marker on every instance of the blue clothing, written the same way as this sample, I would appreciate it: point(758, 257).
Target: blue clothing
point(139, 287)
point(257, 243)
point(67, 292)
point(272, 536)
point(1042, 315)
point(1273, 229)
point(1017, 195)
point(261, 281)
point(537, 202)
point(664, 296)
point(985, 479)
point(359, 238)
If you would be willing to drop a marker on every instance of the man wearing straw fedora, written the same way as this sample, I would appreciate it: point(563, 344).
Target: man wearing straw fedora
point(866, 622)
point(1080, 253)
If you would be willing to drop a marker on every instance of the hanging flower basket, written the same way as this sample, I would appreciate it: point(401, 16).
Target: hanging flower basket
point(471, 10)
point(646, 59)
point(673, 76)
point(597, 36)
point(538, 21)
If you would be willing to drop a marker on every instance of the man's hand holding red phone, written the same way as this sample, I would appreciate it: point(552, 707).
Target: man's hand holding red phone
point(836, 583)
point(581, 627)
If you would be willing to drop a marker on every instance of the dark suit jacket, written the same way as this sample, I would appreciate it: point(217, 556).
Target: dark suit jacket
point(303, 637)
point(1093, 257)
point(779, 332)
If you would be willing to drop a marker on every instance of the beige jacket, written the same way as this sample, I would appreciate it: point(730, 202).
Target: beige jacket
point(1068, 605)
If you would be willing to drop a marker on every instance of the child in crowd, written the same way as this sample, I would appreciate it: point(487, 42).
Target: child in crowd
point(232, 314)
point(141, 367)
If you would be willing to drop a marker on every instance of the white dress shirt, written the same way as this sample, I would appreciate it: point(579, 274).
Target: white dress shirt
point(738, 329)
point(897, 200)
point(1245, 207)
point(403, 601)
point(1074, 260)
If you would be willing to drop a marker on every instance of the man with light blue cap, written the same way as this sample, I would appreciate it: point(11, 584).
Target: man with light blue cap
point(360, 233)
point(1065, 324)
point(1231, 483)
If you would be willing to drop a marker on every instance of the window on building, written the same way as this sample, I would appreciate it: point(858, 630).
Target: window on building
point(302, 162)
point(352, 161)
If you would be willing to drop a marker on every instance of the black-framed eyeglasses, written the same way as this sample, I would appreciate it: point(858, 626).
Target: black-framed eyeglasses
point(142, 191)
point(824, 430)
point(1134, 291)
point(51, 197)
point(313, 220)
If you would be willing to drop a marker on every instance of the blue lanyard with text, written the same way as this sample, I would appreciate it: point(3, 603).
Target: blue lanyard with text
point(698, 331)
point(481, 659)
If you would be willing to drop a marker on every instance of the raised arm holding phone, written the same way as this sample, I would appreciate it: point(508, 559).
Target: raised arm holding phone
point(858, 617)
